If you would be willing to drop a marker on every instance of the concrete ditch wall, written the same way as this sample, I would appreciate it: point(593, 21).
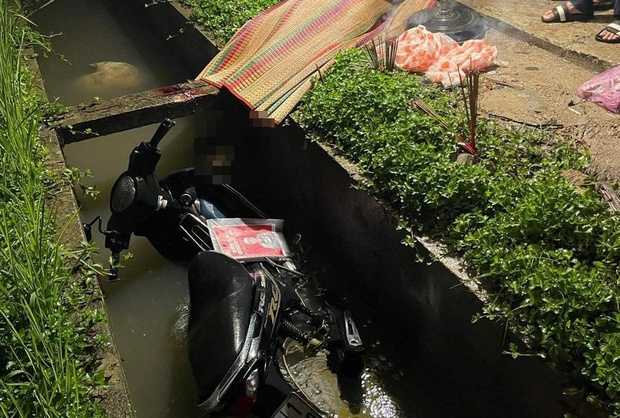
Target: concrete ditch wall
point(115, 395)
point(428, 307)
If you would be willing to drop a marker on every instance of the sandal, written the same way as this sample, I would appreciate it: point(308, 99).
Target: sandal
point(561, 15)
point(598, 6)
point(613, 28)
point(602, 5)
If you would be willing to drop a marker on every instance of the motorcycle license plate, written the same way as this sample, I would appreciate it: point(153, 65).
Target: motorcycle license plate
point(296, 407)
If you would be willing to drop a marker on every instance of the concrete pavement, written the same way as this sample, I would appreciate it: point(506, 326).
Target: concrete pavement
point(573, 40)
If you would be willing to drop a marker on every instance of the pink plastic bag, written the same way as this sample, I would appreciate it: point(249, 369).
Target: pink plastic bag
point(443, 60)
point(604, 89)
point(418, 48)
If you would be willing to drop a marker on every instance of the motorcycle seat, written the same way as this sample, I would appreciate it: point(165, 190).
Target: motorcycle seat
point(221, 293)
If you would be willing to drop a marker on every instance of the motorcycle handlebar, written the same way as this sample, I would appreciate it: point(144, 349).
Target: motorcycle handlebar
point(188, 197)
point(162, 130)
point(135, 195)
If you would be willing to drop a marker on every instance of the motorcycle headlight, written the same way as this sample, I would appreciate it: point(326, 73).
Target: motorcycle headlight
point(123, 194)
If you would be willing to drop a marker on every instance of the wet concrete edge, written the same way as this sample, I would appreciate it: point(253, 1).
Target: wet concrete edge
point(114, 396)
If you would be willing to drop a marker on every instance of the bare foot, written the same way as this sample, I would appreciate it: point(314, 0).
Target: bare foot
point(610, 34)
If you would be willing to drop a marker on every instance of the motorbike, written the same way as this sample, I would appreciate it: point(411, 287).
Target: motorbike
point(247, 294)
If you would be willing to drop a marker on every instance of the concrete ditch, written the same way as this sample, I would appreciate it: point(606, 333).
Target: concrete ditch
point(115, 395)
point(433, 303)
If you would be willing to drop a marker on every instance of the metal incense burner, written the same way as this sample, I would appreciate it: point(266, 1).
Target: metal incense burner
point(457, 21)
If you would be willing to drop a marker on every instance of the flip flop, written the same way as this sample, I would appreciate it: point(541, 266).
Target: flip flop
point(561, 15)
point(603, 5)
point(612, 28)
point(598, 6)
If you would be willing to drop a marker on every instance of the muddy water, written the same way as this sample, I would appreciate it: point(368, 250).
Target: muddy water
point(86, 32)
point(143, 306)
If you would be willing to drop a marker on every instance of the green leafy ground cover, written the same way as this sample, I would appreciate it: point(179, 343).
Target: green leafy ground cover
point(549, 254)
point(47, 364)
point(224, 17)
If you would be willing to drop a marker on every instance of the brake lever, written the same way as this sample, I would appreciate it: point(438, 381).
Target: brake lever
point(114, 240)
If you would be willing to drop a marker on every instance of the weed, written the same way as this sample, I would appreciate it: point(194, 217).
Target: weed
point(222, 18)
point(46, 363)
point(550, 255)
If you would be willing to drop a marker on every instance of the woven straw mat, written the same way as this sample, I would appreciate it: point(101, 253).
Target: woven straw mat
point(270, 61)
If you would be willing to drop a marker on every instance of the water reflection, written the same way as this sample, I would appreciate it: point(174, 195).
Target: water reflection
point(365, 397)
point(86, 32)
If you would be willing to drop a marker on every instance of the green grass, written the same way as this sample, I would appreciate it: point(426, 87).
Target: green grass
point(47, 364)
point(222, 18)
point(550, 255)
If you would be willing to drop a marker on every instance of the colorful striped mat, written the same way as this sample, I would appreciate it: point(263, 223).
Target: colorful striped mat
point(270, 61)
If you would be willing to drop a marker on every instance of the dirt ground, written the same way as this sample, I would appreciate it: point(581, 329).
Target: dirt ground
point(535, 85)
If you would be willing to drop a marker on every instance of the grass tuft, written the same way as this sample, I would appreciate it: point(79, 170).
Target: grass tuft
point(47, 368)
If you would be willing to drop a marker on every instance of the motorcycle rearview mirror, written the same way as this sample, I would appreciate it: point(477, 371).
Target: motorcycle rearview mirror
point(89, 226)
point(162, 130)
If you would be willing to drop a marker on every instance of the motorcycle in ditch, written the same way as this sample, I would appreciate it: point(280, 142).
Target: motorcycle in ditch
point(247, 295)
